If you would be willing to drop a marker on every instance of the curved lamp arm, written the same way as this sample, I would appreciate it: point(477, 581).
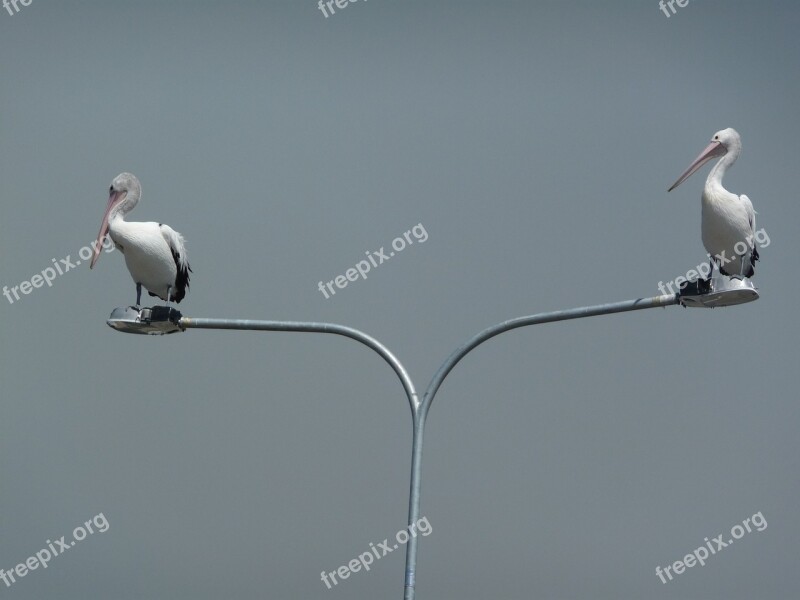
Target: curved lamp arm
point(313, 327)
point(549, 317)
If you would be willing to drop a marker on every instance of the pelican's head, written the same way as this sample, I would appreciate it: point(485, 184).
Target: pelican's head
point(122, 197)
point(724, 141)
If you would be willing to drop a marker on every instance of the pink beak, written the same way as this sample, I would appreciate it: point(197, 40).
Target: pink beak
point(114, 198)
point(713, 150)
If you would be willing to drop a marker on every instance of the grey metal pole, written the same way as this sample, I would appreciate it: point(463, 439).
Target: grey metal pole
point(421, 415)
point(420, 408)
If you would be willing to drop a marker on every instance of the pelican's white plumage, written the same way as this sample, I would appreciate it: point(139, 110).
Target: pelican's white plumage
point(728, 220)
point(155, 254)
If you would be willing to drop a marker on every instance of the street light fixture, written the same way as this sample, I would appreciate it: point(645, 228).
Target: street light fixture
point(718, 291)
point(160, 320)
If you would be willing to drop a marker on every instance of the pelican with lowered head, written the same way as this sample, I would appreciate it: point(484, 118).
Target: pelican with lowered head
point(155, 254)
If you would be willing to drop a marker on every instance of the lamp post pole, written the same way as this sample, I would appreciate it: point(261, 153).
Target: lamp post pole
point(419, 409)
point(160, 320)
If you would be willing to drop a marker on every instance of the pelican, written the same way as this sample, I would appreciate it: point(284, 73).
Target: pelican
point(729, 221)
point(155, 253)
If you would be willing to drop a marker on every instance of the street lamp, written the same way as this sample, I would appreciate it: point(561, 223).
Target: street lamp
point(160, 320)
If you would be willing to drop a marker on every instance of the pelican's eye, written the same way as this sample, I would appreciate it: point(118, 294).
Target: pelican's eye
point(111, 189)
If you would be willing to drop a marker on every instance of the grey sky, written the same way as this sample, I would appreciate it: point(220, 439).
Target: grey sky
point(534, 141)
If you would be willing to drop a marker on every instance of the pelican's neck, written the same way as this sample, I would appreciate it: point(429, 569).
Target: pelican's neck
point(718, 172)
point(120, 230)
point(115, 220)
